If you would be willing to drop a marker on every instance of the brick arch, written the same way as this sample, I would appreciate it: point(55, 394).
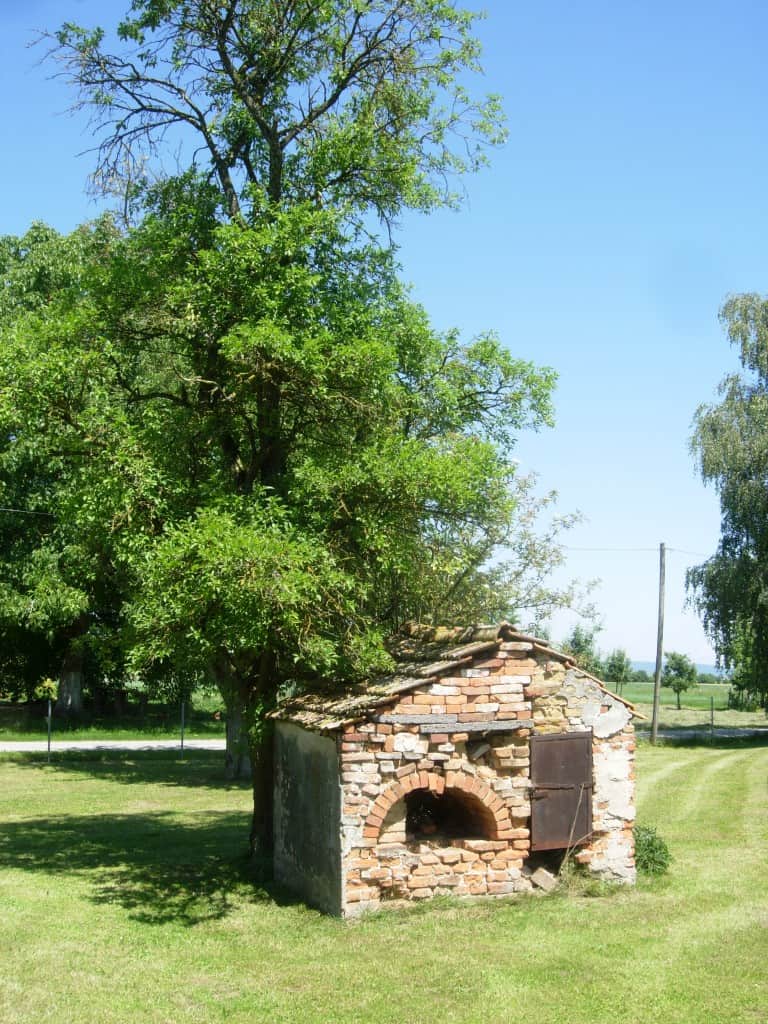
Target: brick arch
point(468, 784)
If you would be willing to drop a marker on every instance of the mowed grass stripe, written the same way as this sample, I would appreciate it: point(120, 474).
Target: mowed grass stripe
point(719, 782)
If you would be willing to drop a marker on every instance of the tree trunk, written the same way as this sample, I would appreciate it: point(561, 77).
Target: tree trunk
point(262, 760)
point(250, 746)
point(678, 699)
point(70, 698)
point(237, 761)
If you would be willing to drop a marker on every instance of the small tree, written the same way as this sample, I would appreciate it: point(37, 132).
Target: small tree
point(679, 673)
point(580, 644)
point(618, 667)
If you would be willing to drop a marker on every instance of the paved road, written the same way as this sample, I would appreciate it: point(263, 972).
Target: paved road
point(36, 746)
point(721, 733)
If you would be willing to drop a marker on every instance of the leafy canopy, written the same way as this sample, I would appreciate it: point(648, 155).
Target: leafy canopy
point(730, 443)
point(241, 453)
point(362, 105)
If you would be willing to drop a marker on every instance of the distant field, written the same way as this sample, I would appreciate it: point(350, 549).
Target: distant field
point(125, 896)
point(695, 706)
point(697, 697)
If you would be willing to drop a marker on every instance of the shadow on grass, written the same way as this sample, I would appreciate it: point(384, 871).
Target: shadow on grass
point(198, 768)
point(158, 868)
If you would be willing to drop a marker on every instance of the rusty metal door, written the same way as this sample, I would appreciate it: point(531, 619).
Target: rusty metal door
point(561, 798)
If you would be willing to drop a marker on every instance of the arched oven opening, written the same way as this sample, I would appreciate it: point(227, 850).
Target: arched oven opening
point(442, 818)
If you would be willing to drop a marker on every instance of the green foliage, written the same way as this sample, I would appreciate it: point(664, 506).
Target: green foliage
point(745, 699)
point(708, 678)
point(730, 443)
point(234, 582)
point(242, 453)
point(652, 855)
point(46, 689)
point(679, 673)
point(580, 645)
point(617, 667)
point(639, 675)
point(361, 107)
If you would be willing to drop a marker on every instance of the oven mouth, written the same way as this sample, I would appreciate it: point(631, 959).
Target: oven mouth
point(442, 818)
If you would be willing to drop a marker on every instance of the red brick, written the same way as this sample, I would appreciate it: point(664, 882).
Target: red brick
point(362, 893)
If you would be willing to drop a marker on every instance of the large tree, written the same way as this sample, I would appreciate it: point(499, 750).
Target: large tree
point(265, 458)
point(730, 442)
point(357, 104)
point(257, 548)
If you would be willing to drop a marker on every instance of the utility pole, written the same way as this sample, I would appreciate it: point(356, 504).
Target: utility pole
point(659, 646)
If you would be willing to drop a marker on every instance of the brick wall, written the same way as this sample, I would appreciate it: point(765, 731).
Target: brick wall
point(517, 690)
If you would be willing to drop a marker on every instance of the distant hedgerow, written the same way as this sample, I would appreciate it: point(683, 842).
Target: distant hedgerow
point(652, 855)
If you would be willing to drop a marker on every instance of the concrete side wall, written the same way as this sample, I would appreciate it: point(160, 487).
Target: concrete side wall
point(307, 815)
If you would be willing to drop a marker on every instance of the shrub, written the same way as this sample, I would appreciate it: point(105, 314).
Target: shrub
point(652, 855)
point(46, 689)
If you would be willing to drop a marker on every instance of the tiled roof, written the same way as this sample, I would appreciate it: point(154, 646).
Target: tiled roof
point(420, 653)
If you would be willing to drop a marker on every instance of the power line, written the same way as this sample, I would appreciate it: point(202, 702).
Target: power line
point(569, 548)
point(679, 551)
point(26, 512)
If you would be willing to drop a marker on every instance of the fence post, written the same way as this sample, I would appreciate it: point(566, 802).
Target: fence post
point(711, 718)
point(49, 730)
point(182, 730)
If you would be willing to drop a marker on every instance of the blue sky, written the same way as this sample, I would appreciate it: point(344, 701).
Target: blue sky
point(602, 241)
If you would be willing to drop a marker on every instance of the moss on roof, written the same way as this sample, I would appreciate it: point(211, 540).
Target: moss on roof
point(420, 652)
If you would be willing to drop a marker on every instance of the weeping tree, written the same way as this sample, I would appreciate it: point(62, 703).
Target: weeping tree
point(730, 443)
point(265, 457)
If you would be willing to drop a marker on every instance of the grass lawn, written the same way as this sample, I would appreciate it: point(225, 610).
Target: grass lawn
point(125, 897)
point(29, 722)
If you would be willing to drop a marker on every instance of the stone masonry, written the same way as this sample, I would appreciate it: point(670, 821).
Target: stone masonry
point(461, 728)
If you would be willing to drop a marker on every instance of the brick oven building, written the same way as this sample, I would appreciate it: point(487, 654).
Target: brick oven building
point(481, 757)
